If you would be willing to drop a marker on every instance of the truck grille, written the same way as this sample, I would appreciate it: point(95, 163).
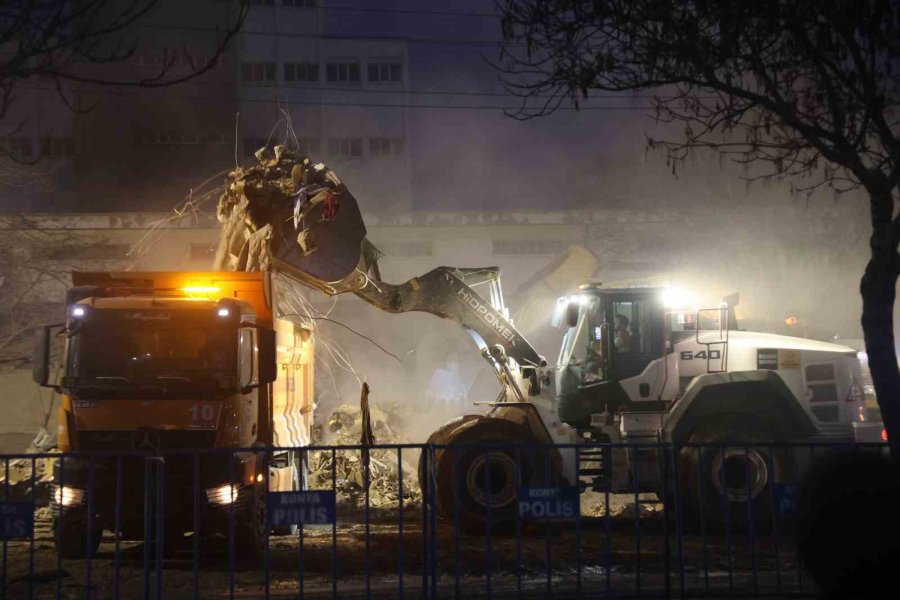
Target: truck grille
point(126, 440)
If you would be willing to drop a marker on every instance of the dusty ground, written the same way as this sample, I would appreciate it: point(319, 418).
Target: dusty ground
point(629, 557)
point(546, 560)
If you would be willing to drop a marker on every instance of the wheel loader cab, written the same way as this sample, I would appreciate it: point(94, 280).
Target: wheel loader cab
point(616, 335)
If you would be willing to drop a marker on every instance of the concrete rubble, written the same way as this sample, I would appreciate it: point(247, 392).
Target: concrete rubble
point(621, 506)
point(18, 486)
point(342, 428)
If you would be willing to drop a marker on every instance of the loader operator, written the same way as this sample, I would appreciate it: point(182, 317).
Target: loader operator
point(622, 338)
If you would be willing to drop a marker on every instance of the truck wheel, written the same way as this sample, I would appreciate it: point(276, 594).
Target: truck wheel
point(468, 480)
point(251, 525)
point(726, 484)
point(70, 534)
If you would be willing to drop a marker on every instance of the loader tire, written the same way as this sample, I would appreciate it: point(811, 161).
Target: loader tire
point(728, 484)
point(478, 470)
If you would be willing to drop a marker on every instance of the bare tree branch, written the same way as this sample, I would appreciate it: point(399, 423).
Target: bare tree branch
point(76, 42)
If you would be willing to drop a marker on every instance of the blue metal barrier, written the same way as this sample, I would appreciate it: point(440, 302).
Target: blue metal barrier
point(111, 525)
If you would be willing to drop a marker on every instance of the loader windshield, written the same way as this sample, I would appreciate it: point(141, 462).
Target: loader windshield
point(583, 345)
point(169, 352)
point(616, 335)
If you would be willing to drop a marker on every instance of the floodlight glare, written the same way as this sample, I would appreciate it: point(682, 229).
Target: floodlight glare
point(674, 297)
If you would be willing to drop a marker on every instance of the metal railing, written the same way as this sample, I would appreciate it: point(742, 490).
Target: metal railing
point(492, 521)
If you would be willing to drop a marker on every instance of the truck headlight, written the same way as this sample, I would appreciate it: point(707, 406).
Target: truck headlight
point(223, 494)
point(67, 496)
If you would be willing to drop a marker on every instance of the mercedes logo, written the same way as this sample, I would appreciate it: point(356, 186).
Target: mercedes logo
point(146, 439)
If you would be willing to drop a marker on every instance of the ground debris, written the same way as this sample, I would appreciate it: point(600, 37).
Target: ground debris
point(21, 480)
point(621, 506)
point(342, 428)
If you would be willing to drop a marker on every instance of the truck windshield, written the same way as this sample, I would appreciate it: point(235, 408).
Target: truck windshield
point(173, 350)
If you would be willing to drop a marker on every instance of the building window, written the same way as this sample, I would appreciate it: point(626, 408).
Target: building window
point(342, 72)
point(302, 71)
point(528, 246)
point(346, 147)
point(384, 146)
point(258, 72)
point(309, 145)
point(98, 251)
point(251, 145)
point(203, 251)
point(18, 147)
point(407, 248)
point(385, 72)
point(155, 138)
point(57, 147)
point(299, 3)
point(176, 60)
point(211, 138)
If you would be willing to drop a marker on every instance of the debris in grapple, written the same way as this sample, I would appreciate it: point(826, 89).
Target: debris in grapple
point(287, 193)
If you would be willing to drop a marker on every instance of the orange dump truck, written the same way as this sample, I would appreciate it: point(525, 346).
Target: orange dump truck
point(159, 362)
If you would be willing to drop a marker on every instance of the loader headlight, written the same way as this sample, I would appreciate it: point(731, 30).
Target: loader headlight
point(67, 496)
point(223, 495)
point(78, 311)
point(674, 297)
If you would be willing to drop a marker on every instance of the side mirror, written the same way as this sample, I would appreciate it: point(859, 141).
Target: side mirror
point(261, 370)
point(40, 360)
point(268, 370)
point(572, 314)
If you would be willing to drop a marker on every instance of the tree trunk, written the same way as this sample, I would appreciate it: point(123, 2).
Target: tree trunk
point(878, 290)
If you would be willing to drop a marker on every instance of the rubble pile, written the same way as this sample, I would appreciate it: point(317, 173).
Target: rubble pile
point(621, 506)
point(19, 485)
point(342, 428)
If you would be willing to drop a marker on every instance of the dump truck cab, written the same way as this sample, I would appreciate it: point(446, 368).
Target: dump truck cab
point(157, 363)
point(174, 365)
